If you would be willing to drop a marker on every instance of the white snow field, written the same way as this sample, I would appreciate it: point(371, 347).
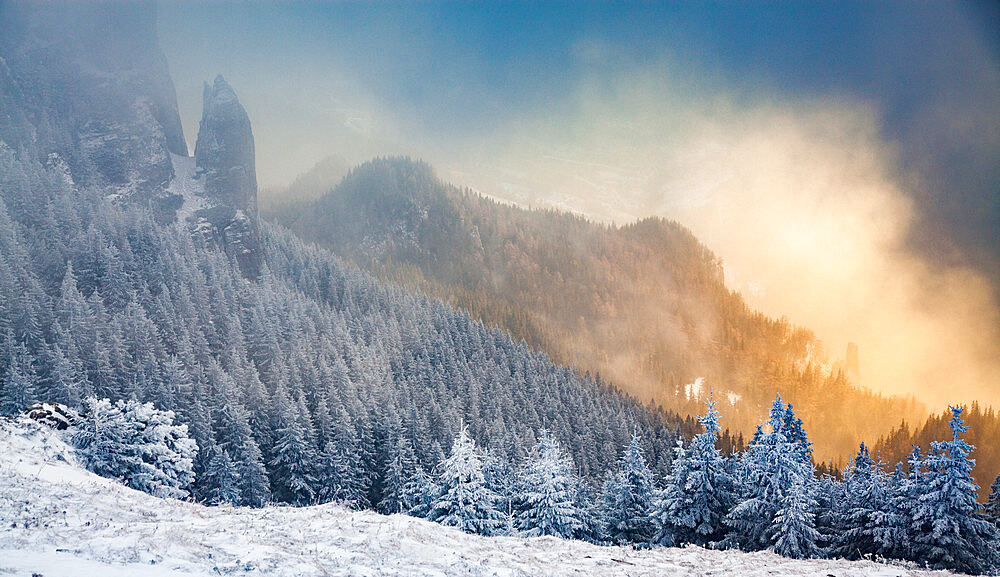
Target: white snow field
point(56, 519)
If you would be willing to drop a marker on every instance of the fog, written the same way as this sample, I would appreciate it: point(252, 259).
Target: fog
point(846, 174)
point(802, 199)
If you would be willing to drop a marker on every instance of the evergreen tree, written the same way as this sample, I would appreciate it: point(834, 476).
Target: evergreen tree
point(628, 499)
point(104, 440)
point(419, 493)
point(548, 503)
point(794, 524)
point(19, 382)
point(778, 492)
point(235, 438)
point(866, 502)
point(65, 382)
point(699, 492)
point(399, 469)
point(293, 458)
point(992, 508)
point(252, 481)
point(221, 478)
point(343, 474)
point(503, 481)
point(949, 533)
point(464, 500)
point(795, 433)
point(894, 529)
point(138, 444)
point(830, 499)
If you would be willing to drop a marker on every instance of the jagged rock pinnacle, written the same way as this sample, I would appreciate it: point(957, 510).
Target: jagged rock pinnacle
point(224, 155)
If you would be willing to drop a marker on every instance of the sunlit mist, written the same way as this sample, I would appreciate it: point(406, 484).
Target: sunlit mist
point(801, 199)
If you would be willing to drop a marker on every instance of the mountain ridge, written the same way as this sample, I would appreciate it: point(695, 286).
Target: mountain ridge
point(643, 304)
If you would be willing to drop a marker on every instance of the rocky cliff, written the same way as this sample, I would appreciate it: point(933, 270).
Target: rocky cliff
point(86, 85)
point(224, 157)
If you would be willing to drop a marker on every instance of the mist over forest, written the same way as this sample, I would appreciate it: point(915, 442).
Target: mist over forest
point(652, 281)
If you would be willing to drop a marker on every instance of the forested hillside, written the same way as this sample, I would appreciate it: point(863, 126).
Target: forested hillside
point(308, 381)
point(644, 304)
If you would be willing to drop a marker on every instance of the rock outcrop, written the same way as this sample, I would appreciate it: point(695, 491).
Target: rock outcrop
point(224, 157)
point(55, 415)
point(87, 85)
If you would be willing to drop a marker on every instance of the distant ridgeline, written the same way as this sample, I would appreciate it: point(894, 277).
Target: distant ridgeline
point(643, 305)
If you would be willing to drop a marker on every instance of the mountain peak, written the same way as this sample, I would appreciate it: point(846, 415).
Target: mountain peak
point(220, 98)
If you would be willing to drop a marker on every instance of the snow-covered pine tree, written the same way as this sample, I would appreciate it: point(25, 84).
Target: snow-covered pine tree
point(502, 480)
point(293, 459)
point(234, 436)
point(399, 468)
point(165, 450)
point(465, 500)
point(65, 381)
point(548, 503)
point(419, 493)
point(628, 499)
point(794, 528)
point(699, 492)
point(342, 471)
point(773, 507)
point(866, 502)
point(795, 525)
point(949, 533)
point(830, 499)
point(668, 502)
point(992, 508)
point(104, 439)
point(220, 478)
point(795, 433)
point(894, 530)
point(19, 383)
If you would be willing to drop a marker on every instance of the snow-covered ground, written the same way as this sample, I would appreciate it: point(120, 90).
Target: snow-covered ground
point(57, 519)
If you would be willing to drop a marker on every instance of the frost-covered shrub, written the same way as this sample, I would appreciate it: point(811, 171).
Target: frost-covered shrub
point(137, 444)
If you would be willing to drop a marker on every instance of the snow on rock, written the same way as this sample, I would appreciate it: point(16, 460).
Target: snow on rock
point(188, 186)
point(57, 519)
point(55, 415)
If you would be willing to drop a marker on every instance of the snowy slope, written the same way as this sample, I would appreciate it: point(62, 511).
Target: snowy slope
point(59, 520)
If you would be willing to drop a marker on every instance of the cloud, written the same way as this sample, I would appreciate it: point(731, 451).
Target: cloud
point(802, 198)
